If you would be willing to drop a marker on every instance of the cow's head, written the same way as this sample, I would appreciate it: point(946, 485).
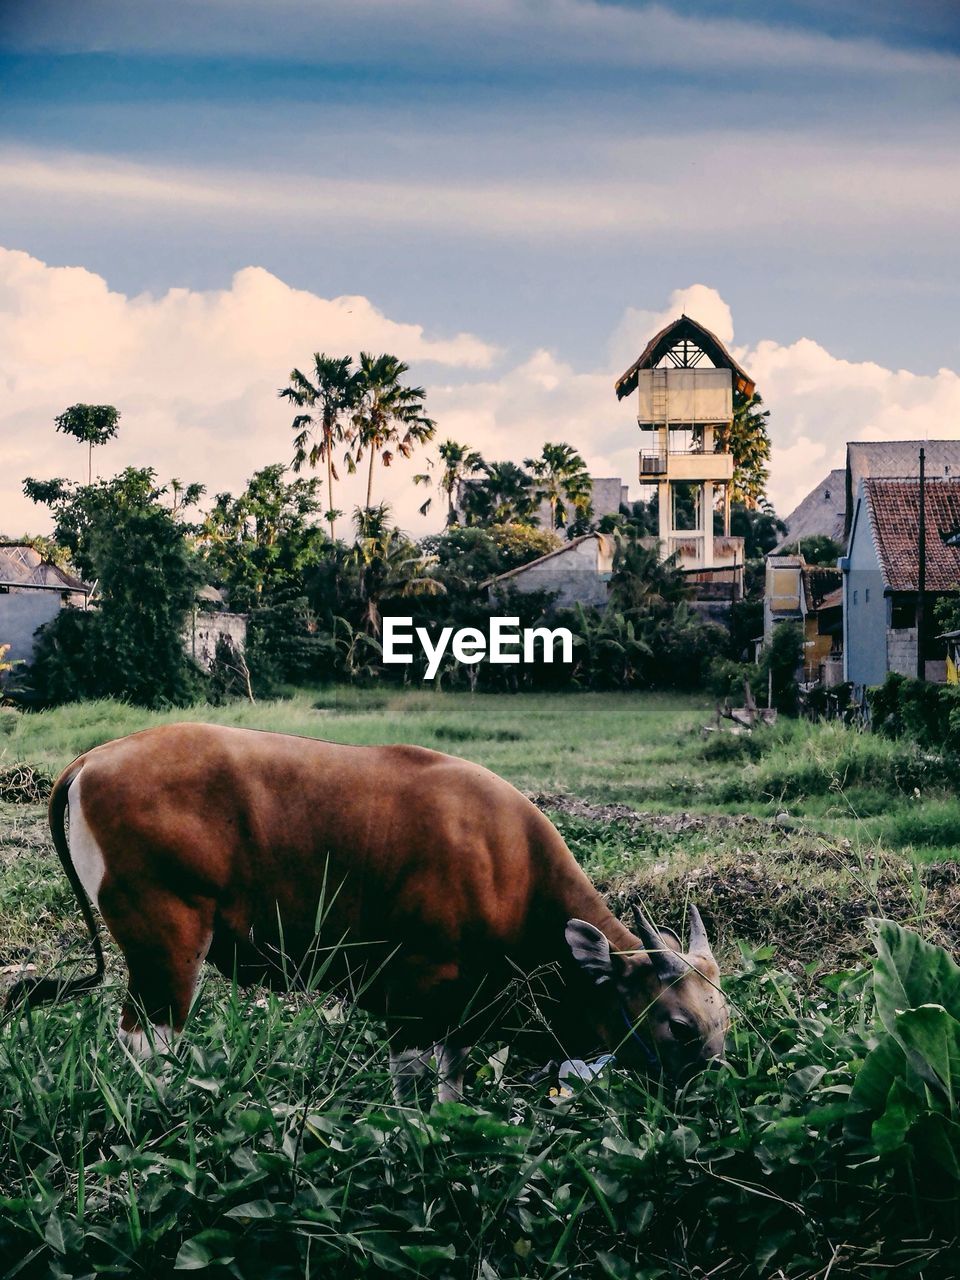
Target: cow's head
point(667, 997)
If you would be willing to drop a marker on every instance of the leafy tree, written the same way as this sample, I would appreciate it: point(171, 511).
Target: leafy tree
point(326, 399)
point(78, 510)
point(748, 439)
point(503, 496)
point(638, 519)
point(819, 549)
point(91, 424)
point(459, 463)
point(520, 543)
point(387, 413)
point(562, 477)
point(759, 526)
point(263, 540)
point(131, 647)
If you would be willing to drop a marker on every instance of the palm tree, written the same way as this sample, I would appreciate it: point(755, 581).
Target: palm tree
point(459, 463)
point(748, 439)
point(331, 394)
point(387, 413)
point(563, 477)
point(502, 497)
point(390, 565)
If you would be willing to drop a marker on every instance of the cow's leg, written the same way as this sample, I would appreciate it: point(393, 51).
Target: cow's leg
point(451, 1064)
point(407, 1068)
point(164, 945)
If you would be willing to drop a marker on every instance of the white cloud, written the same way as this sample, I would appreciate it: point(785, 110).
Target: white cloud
point(195, 375)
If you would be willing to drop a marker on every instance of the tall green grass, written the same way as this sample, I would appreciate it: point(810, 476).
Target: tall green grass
point(267, 1145)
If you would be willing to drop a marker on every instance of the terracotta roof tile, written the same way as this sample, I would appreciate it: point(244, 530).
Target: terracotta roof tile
point(894, 507)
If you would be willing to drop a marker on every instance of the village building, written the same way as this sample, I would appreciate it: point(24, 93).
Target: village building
point(684, 381)
point(32, 592)
point(579, 572)
point(881, 573)
point(895, 459)
point(811, 597)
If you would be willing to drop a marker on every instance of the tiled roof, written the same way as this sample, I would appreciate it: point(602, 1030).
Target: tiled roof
point(897, 458)
point(894, 507)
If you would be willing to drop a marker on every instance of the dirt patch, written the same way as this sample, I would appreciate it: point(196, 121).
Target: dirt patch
point(806, 897)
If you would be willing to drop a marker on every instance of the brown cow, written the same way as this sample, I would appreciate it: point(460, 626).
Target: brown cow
point(264, 852)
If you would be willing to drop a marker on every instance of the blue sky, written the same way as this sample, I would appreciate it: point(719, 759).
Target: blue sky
point(526, 171)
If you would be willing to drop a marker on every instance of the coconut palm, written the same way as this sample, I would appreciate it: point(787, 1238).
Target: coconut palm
point(503, 496)
point(459, 464)
point(325, 400)
point(562, 477)
point(390, 565)
point(387, 413)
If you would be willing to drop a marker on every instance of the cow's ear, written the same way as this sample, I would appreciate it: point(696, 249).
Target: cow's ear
point(590, 949)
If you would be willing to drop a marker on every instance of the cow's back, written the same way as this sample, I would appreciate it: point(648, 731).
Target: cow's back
point(391, 845)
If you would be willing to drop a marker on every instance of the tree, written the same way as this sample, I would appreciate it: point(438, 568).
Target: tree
point(748, 439)
point(759, 526)
point(459, 463)
point(563, 478)
point(263, 540)
point(503, 496)
point(131, 646)
point(391, 566)
point(642, 582)
point(91, 424)
point(325, 403)
point(387, 413)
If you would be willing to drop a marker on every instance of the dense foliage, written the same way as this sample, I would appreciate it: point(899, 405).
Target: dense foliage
point(131, 646)
point(267, 1145)
point(926, 712)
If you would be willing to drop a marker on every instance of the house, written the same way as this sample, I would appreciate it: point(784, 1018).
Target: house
point(895, 459)
point(32, 592)
point(822, 513)
point(579, 572)
point(810, 596)
point(881, 575)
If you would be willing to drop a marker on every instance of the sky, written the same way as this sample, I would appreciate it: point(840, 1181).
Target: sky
point(510, 195)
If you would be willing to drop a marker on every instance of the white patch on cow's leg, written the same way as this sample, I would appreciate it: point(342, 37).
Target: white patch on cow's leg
point(451, 1064)
point(85, 854)
point(137, 1040)
point(407, 1067)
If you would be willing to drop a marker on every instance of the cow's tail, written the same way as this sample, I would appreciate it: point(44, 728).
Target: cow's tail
point(44, 990)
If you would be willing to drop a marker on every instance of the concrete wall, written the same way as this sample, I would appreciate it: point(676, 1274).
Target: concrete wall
point(21, 613)
point(578, 574)
point(205, 629)
point(902, 650)
point(865, 608)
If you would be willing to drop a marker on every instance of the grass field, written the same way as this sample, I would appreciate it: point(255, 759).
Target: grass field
point(267, 1145)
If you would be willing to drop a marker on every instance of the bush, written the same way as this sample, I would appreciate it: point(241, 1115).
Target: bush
point(927, 713)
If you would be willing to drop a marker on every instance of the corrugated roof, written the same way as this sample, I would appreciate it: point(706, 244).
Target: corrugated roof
point(23, 566)
point(894, 510)
point(896, 458)
point(676, 331)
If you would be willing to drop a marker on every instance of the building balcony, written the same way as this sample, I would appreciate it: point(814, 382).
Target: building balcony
point(656, 464)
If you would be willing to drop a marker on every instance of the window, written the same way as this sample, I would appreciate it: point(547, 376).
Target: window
point(855, 597)
point(903, 614)
point(866, 595)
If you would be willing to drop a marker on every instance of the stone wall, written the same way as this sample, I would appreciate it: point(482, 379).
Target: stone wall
point(204, 630)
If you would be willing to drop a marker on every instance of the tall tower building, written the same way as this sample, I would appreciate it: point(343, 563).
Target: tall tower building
point(685, 381)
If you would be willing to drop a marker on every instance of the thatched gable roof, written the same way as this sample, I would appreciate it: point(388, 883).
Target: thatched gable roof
point(22, 566)
point(822, 511)
point(677, 331)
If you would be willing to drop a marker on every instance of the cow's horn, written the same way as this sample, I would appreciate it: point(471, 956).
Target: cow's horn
point(662, 956)
point(697, 942)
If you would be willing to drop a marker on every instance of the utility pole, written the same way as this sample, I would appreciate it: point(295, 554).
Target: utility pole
point(922, 569)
